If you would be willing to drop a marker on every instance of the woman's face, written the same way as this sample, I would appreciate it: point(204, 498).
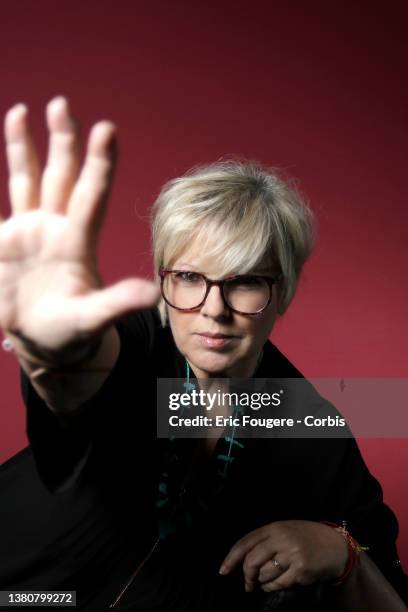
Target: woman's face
point(237, 356)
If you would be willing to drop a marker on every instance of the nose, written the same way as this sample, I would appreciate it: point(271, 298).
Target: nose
point(214, 305)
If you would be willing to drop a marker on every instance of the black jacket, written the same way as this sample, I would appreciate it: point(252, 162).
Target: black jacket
point(78, 507)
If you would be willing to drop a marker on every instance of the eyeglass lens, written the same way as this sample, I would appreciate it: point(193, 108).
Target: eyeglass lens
point(248, 294)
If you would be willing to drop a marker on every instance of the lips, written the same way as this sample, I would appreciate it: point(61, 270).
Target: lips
point(215, 341)
point(209, 335)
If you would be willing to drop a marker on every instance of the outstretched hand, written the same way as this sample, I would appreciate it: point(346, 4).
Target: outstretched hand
point(50, 287)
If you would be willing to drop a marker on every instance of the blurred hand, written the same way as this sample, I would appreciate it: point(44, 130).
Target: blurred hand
point(305, 551)
point(50, 288)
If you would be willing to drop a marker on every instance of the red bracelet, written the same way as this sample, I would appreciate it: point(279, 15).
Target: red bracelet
point(354, 550)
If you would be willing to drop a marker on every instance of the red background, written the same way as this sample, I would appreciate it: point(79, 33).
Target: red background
point(316, 88)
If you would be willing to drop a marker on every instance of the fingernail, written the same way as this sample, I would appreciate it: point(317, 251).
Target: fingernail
point(223, 570)
point(59, 99)
point(20, 107)
point(57, 103)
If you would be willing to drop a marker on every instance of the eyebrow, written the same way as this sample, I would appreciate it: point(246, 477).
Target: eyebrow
point(262, 271)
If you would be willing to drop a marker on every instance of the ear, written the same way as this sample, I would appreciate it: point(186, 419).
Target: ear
point(164, 317)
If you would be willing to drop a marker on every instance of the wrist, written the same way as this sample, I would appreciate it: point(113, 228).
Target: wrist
point(354, 551)
point(45, 362)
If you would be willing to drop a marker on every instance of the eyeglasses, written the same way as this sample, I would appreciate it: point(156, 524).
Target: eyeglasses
point(246, 294)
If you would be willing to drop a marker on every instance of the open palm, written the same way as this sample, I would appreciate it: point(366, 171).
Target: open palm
point(50, 288)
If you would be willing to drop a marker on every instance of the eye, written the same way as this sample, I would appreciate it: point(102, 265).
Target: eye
point(187, 277)
point(247, 282)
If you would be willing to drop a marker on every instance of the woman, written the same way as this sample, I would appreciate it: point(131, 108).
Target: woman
point(152, 524)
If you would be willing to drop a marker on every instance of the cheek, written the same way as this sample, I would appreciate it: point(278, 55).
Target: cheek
point(258, 332)
point(180, 325)
point(255, 336)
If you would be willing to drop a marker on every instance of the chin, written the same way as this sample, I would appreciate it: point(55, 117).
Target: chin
point(212, 363)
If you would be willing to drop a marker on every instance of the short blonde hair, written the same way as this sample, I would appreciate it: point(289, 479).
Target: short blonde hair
point(242, 215)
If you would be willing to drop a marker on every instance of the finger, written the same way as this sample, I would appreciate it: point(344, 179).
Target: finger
point(87, 203)
point(22, 160)
point(63, 157)
point(101, 308)
point(269, 571)
point(255, 559)
point(240, 549)
point(284, 581)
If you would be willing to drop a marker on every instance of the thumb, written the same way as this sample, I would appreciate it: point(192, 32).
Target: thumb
point(102, 307)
